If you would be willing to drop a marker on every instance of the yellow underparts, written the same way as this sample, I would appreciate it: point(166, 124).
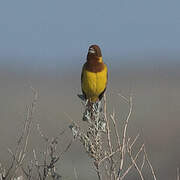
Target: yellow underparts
point(93, 84)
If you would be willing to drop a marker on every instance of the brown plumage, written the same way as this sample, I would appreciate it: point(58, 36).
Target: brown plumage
point(94, 60)
point(94, 66)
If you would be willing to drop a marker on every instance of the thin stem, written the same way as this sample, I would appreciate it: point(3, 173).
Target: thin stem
point(134, 162)
point(149, 163)
point(135, 158)
point(125, 133)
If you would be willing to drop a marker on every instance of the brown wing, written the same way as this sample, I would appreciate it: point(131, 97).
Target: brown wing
point(82, 80)
point(102, 94)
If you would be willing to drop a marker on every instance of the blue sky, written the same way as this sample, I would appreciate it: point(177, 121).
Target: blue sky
point(64, 29)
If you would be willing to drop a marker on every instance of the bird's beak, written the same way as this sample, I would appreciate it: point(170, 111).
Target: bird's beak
point(92, 50)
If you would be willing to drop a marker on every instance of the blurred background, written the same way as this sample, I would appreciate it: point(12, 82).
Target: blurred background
point(44, 44)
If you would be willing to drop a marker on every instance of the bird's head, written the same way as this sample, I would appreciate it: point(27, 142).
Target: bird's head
point(94, 53)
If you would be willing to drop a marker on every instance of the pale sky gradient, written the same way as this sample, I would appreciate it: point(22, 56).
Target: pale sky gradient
point(64, 29)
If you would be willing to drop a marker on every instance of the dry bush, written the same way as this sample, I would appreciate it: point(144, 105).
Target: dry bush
point(113, 154)
point(38, 168)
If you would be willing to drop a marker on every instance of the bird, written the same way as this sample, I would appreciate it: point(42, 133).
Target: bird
point(94, 75)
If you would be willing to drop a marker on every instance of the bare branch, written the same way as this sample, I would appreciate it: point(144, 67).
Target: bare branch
point(125, 133)
point(149, 163)
point(116, 130)
point(107, 126)
point(134, 160)
point(108, 132)
point(143, 162)
point(109, 156)
point(135, 139)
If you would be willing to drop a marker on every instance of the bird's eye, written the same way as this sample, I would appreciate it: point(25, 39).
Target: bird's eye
point(91, 50)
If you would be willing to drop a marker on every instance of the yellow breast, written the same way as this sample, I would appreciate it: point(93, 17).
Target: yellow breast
point(93, 84)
